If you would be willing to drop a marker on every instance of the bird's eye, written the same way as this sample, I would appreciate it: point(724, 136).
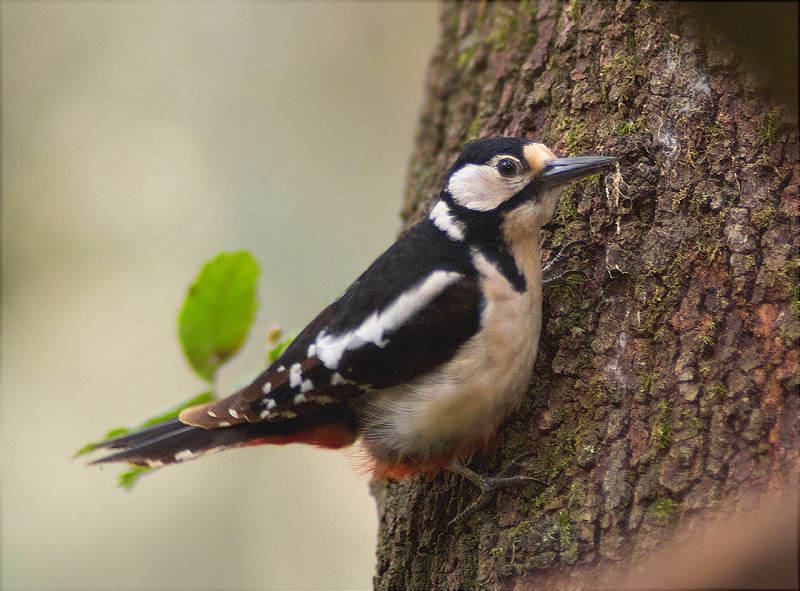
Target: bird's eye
point(507, 167)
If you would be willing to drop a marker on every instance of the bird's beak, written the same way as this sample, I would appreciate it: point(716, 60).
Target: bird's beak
point(559, 171)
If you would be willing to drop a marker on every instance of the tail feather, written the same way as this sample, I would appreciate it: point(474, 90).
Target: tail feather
point(168, 443)
point(173, 441)
point(148, 433)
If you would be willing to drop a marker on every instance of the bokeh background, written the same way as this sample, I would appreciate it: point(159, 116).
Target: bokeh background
point(139, 140)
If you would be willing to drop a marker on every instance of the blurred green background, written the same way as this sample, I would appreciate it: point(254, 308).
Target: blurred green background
point(139, 140)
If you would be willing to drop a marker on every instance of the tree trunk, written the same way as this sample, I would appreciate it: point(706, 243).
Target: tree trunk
point(666, 383)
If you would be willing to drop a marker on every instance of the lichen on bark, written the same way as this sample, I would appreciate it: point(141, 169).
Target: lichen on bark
point(666, 383)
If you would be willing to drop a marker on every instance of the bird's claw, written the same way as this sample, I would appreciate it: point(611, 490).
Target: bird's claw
point(552, 271)
point(488, 487)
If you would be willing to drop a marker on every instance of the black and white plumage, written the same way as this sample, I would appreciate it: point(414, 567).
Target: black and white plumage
point(428, 351)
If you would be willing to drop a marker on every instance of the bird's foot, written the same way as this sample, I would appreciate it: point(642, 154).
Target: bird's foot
point(553, 270)
point(489, 486)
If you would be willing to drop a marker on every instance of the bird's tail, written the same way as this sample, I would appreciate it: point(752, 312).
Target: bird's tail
point(173, 441)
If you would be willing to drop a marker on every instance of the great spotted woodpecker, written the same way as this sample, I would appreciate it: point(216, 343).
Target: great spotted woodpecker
point(426, 353)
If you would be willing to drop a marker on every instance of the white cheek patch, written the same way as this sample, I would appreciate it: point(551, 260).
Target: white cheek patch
point(331, 348)
point(478, 187)
point(481, 188)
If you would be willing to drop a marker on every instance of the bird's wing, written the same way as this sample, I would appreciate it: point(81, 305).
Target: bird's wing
point(406, 315)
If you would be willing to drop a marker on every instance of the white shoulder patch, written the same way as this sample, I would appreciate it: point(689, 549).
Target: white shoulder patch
point(331, 348)
point(442, 218)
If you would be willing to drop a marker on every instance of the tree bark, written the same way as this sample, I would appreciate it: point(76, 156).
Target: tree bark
point(665, 390)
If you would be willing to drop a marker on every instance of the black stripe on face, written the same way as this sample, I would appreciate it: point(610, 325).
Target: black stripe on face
point(482, 229)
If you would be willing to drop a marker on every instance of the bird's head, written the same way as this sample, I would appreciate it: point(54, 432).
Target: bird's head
point(494, 177)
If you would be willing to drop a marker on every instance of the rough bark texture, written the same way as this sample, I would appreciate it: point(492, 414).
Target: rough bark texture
point(666, 383)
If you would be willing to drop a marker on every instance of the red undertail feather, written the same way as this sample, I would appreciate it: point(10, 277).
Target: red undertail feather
point(331, 436)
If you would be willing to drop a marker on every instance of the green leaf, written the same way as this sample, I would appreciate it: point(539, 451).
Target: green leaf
point(218, 312)
point(128, 478)
point(89, 447)
point(160, 418)
point(116, 433)
point(175, 411)
point(277, 350)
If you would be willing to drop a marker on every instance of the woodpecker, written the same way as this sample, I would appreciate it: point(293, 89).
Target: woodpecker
point(426, 353)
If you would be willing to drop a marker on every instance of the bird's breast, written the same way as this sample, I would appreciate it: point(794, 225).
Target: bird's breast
point(465, 399)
